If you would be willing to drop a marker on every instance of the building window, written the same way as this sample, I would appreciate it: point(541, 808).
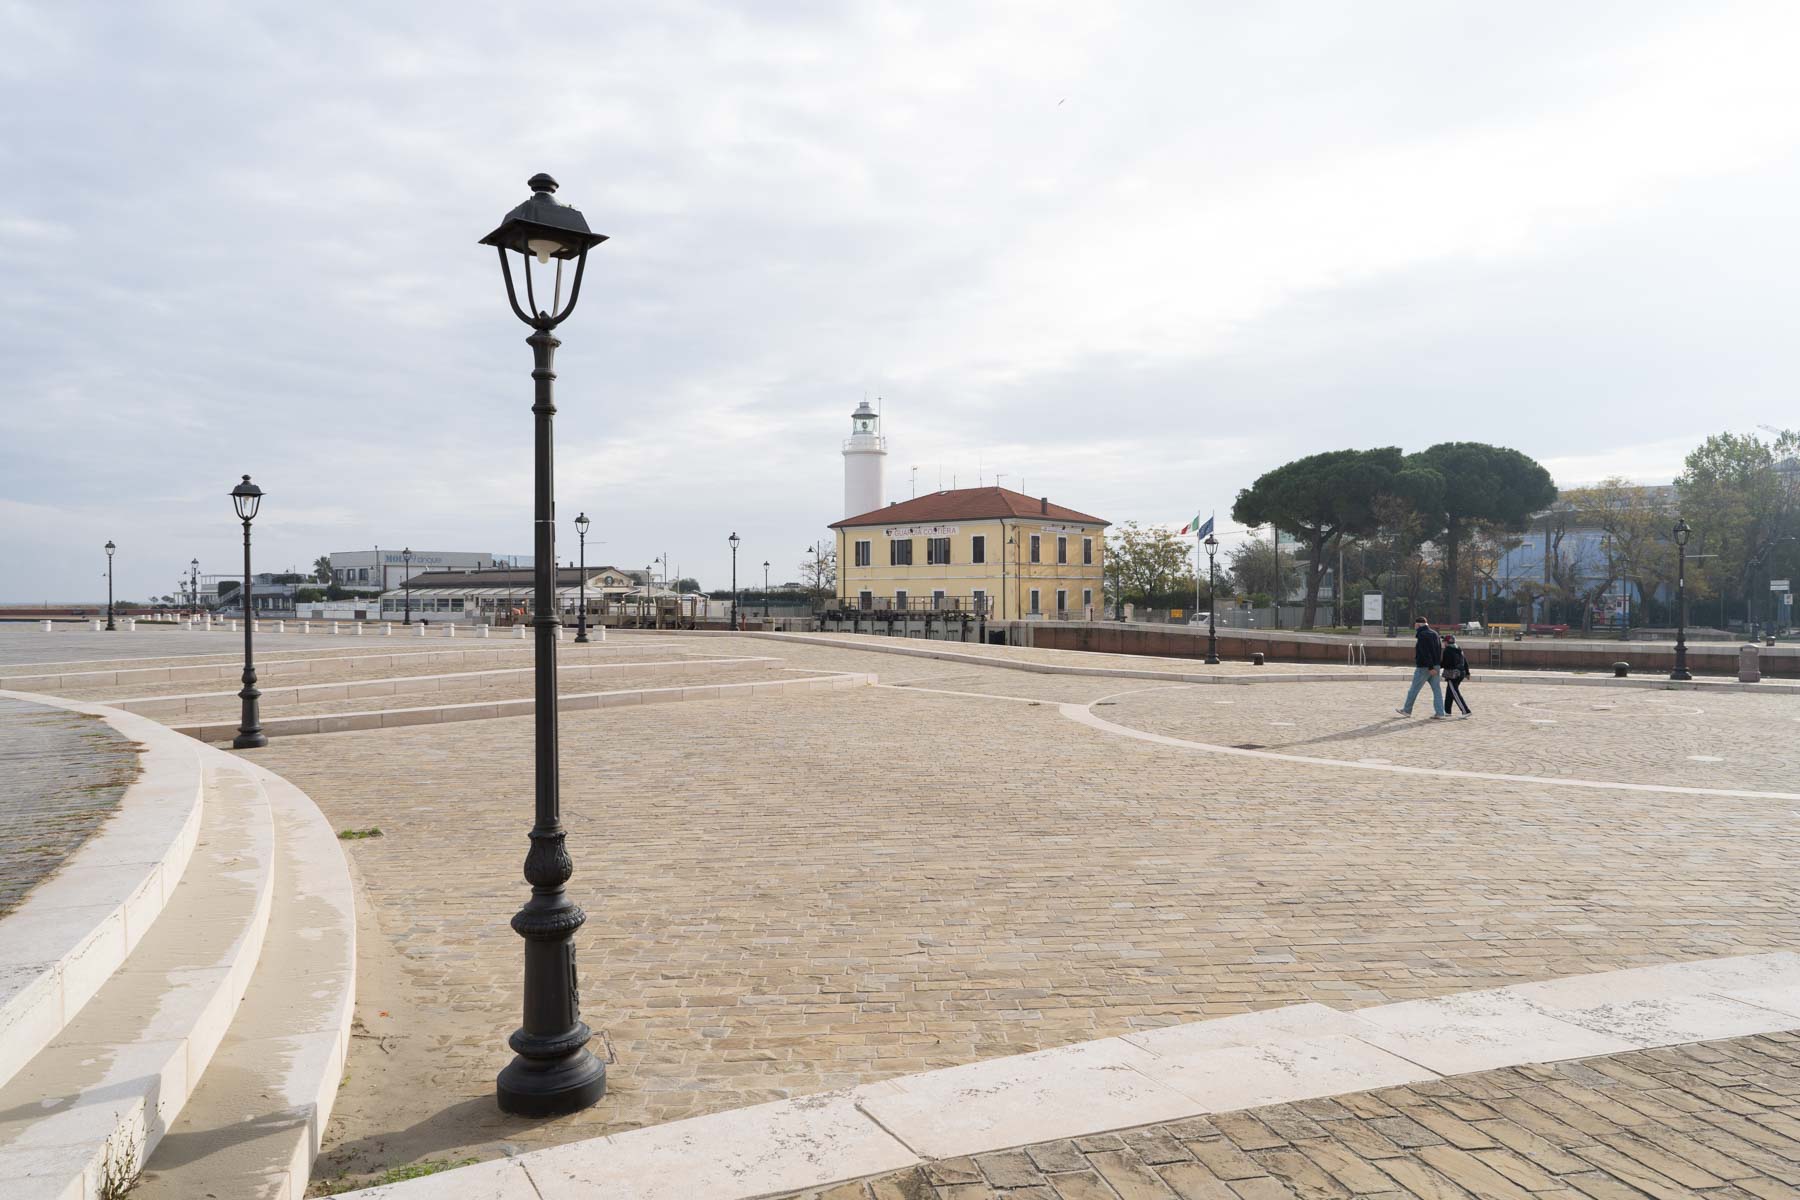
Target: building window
point(1087, 598)
point(1087, 552)
point(980, 601)
point(937, 551)
point(1062, 601)
point(900, 552)
point(937, 601)
point(1035, 610)
point(362, 575)
point(1062, 551)
point(1034, 548)
point(865, 600)
point(862, 554)
point(978, 549)
point(900, 601)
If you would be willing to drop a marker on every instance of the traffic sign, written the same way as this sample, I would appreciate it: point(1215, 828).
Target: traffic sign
point(1778, 585)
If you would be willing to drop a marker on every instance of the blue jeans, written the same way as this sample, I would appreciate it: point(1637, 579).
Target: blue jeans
point(1421, 677)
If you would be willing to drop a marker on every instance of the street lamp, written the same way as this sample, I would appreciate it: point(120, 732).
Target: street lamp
point(733, 539)
point(405, 581)
point(194, 584)
point(765, 593)
point(553, 1072)
point(246, 497)
point(1212, 603)
point(1682, 530)
point(581, 527)
point(109, 585)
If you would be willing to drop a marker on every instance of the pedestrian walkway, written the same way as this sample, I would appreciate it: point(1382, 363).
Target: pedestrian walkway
point(1712, 1119)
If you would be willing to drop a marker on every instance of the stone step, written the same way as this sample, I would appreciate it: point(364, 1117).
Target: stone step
point(88, 1109)
point(72, 931)
point(252, 1127)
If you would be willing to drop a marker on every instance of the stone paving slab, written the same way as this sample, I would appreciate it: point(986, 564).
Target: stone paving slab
point(1718, 1119)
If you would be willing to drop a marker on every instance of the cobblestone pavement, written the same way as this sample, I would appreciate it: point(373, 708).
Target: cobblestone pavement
point(1724, 740)
point(275, 702)
point(1714, 1120)
point(823, 890)
point(61, 776)
point(25, 644)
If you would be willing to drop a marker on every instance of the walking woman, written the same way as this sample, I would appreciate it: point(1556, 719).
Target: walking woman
point(1456, 671)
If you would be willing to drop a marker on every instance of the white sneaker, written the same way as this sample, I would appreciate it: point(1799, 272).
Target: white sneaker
point(1439, 717)
point(1403, 712)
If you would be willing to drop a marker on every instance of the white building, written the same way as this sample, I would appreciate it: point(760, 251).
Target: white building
point(379, 570)
point(865, 462)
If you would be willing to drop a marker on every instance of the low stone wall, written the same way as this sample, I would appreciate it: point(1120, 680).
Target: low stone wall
point(1172, 641)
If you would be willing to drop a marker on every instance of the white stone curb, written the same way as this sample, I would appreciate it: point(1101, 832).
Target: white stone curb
point(1302, 1052)
point(73, 930)
point(492, 709)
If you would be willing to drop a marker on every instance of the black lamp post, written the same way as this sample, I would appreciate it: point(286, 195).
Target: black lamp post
point(1212, 603)
point(1682, 530)
point(581, 527)
point(406, 581)
point(553, 1073)
point(246, 497)
point(734, 592)
point(765, 593)
point(109, 589)
point(194, 584)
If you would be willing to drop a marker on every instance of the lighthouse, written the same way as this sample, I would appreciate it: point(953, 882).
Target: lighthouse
point(865, 459)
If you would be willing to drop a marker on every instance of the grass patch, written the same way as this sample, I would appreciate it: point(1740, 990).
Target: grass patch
point(418, 1170)
point(357, 835)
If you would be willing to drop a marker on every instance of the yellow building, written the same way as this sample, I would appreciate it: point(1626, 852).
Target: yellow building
point(987, 550)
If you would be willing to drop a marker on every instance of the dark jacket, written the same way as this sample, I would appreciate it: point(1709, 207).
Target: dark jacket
point(1429, 651)
point(1455, 663)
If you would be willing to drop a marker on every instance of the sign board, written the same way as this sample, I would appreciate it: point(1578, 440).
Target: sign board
point(1049, 528)
point(1788, 599)
point(1371, 608)
point(1778, 585)
point(1175, 614)
point(907, 531)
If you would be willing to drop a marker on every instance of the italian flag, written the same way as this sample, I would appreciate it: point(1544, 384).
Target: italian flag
point(1197, 527)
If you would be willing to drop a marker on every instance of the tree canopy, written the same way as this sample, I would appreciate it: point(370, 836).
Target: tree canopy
point(1456, 485)
point(1319, 499)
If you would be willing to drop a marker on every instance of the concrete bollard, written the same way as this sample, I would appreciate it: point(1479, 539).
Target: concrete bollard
point(387, 629)
point(419, 630)
point(1749, 671)
point(481, 631)
point(47, 626)
point(281, 627)
point(559, 633)
point(359, 629)
point(94, 625)
point(1256, 660)
point(521, 630)
point(602, 631)
point(334, 626)
point(449, 631)
point(1621, 669)
point(306, 627)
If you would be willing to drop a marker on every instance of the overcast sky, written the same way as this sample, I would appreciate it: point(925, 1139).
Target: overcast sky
point(1131, 255)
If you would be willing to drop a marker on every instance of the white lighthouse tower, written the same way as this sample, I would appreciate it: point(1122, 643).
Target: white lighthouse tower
point(865, 462)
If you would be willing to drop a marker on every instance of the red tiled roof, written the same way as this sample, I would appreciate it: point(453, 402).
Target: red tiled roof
point(968, 504)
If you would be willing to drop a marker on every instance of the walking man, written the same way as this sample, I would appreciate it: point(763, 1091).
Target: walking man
point(1428, 657)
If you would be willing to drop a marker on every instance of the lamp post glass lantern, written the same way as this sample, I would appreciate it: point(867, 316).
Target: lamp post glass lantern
point(581, 528)
point(405, 582)
point(194, 584)
point(246, 498)
point(553, 1072)
point(1681, 532)
point(1212, 601)
point(733, 539)
point(109, 585)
